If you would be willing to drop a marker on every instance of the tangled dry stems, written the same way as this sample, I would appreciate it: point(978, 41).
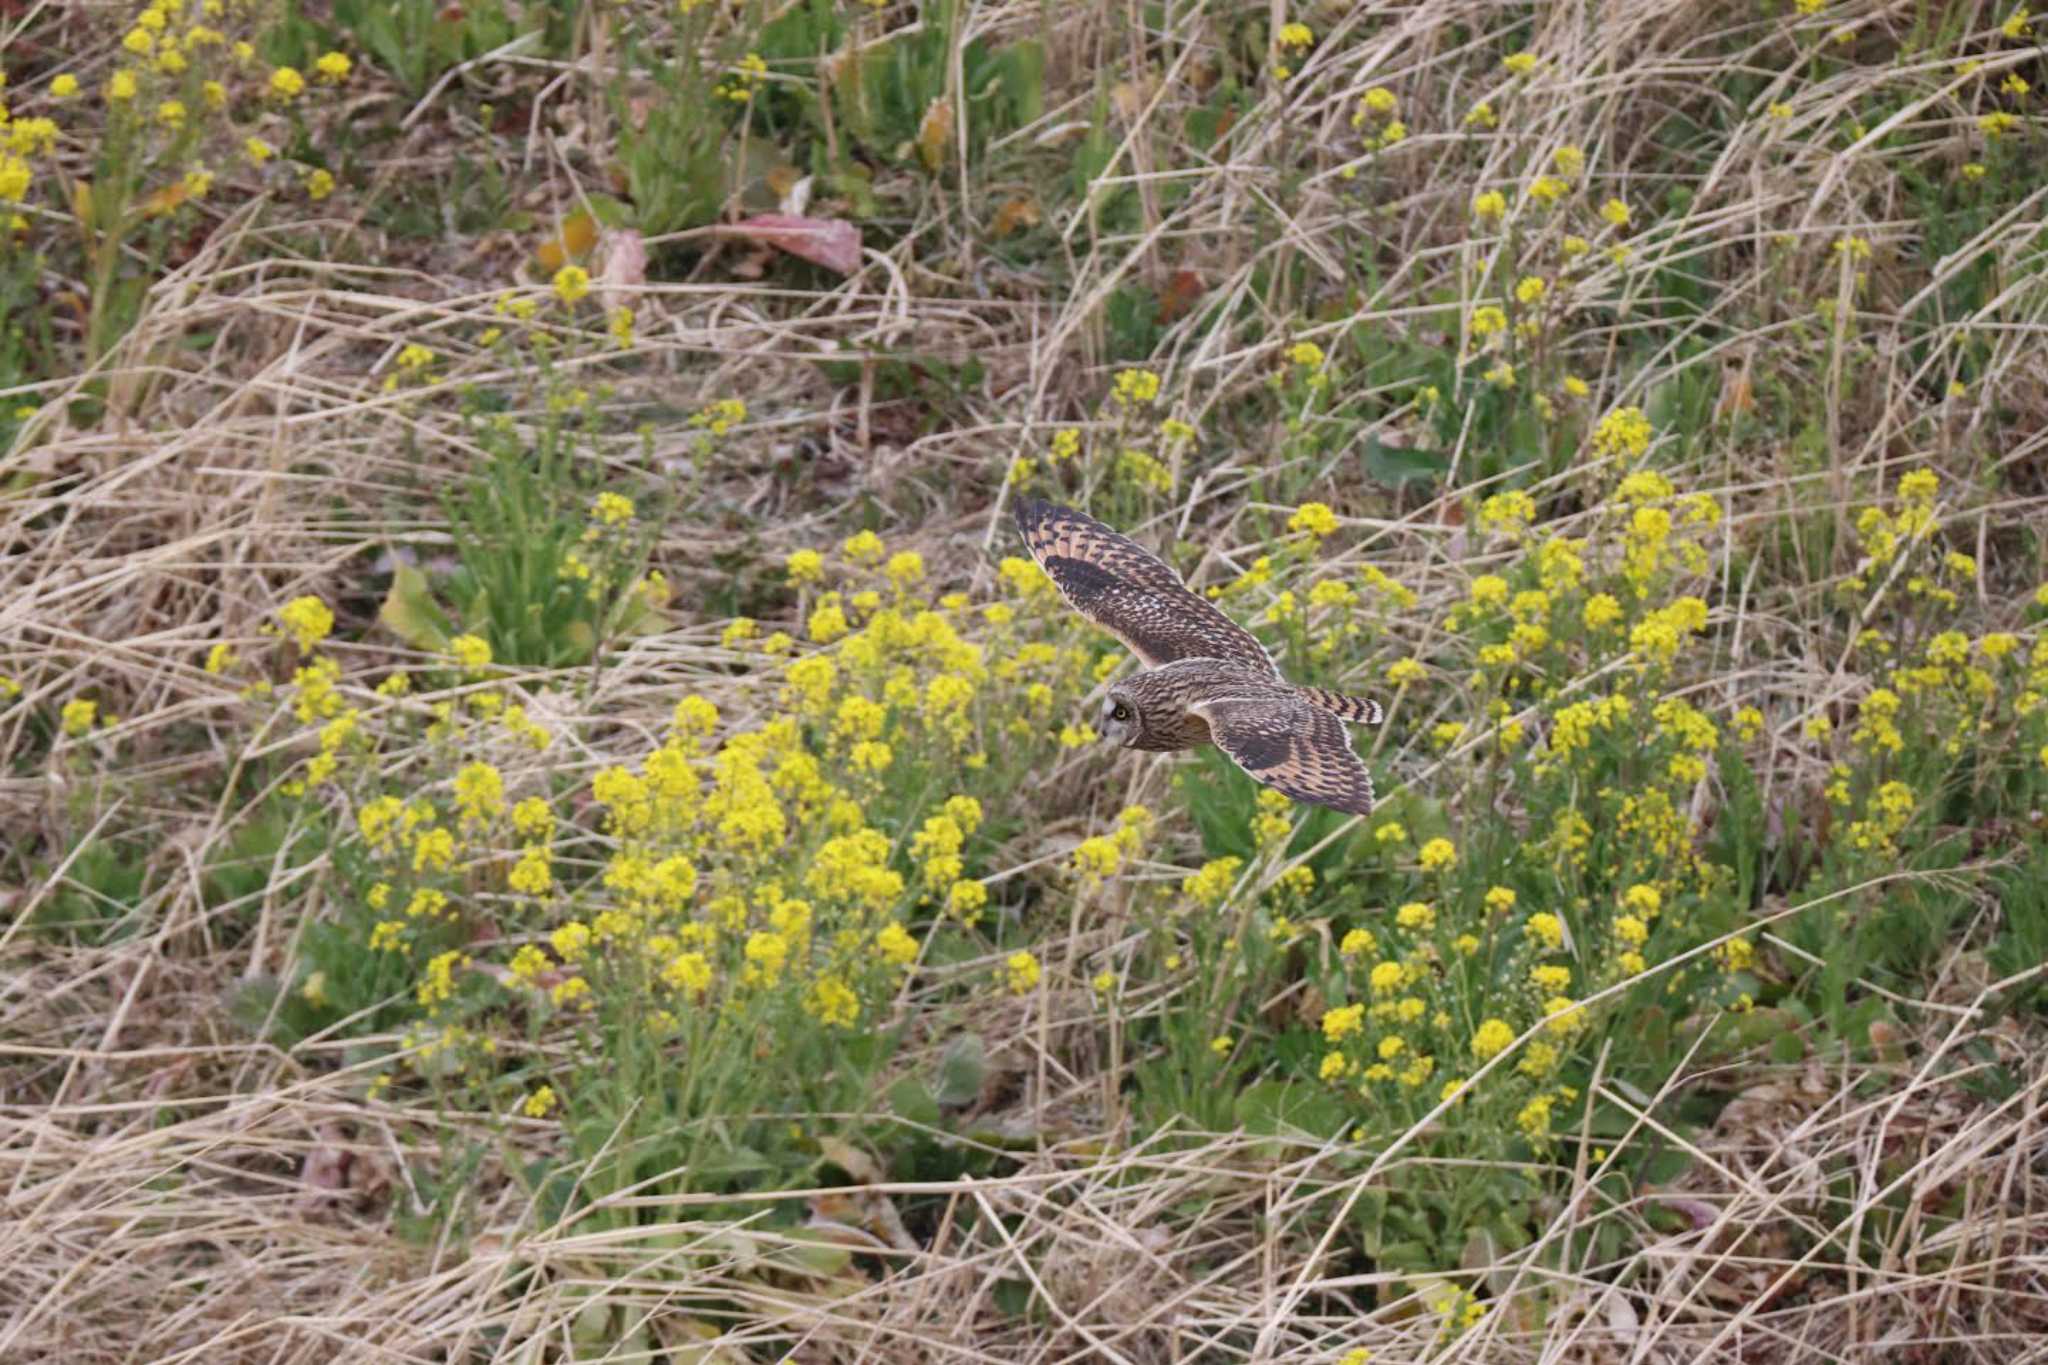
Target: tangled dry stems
point(174, 1192)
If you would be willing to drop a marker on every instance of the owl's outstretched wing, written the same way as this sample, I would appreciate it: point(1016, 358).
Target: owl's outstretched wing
point(1297, 749)
point(1130, 592)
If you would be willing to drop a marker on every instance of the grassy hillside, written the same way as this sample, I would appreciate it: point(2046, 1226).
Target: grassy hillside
point(548, 816)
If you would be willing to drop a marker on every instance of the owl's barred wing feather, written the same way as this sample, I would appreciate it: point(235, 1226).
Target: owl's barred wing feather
point(1297, 749)
point(1130, 592)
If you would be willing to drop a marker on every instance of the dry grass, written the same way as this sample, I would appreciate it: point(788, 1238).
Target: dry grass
point(174, 1191)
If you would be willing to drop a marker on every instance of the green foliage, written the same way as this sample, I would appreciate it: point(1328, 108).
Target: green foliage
point(546, 575)
point(418, 40)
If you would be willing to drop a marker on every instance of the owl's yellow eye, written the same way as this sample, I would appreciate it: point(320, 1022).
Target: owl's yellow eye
point(1120, 712)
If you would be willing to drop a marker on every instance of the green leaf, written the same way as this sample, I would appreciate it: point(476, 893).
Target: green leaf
point(1399, 465)
point(963, 1068)
point(910, 1099)
point(410, 611)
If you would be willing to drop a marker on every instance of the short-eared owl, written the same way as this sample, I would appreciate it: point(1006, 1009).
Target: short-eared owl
point(1206, 679)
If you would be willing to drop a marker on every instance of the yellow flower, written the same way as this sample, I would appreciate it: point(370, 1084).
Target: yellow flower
point(804, 566)
point(1623, 431)
point(1316, 518)
point(1438, 854)
point(1404, 671)
point(64, 86)
point(1341, 1023)
point(257, 150)
point(121, 86)
point(319, 184)
point(1519, 63)
point(1416, 915)
point(1022, 972)
point(1135, 386)
point(1296, 37)
point(1487, 319)
point(540, 1103)
point(571, 283)
point(78, 715)
point(308, 619)
point(286, 82)
point(473, 652)
point(1615, 212)
point(1481, 115)
point(332, 68)
point(1531, 290)
point(611, 509)
point(1491, 1038)
point(1488, 205)
point(905, 568)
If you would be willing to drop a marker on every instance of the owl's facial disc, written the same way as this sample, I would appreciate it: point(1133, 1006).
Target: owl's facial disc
point(1119, 720)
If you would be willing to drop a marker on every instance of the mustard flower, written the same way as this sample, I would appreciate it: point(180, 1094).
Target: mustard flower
point(286, 82)
point(308, 619)
point(1616, 213)
point(1306, 354)
point(63, 86)
point(1438, 854)
point(1623, 431)
point(1315, 518)
point(1491, 1038)
point(319, 184)
point(1342, 1022)
point(333, 68)
point(571, 283)
point(1417, 916)
point(905, 568)
point(1134, 386)
point(804, 566)
point(1021, 972)
point(1489, 205)
point(78, 716)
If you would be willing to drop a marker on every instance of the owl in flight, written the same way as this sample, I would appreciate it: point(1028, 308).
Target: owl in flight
point(1206, 679)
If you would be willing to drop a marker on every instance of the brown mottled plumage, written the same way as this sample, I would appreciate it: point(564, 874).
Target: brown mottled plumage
point(1207, 679)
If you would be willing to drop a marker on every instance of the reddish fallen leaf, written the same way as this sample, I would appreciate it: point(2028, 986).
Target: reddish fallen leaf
point(831, 242)
point(1183, 289)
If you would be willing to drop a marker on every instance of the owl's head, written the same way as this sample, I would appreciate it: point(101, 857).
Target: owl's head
point(1122, 722)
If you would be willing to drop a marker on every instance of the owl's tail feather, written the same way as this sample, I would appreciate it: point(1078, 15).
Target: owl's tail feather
point(1357, 710)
